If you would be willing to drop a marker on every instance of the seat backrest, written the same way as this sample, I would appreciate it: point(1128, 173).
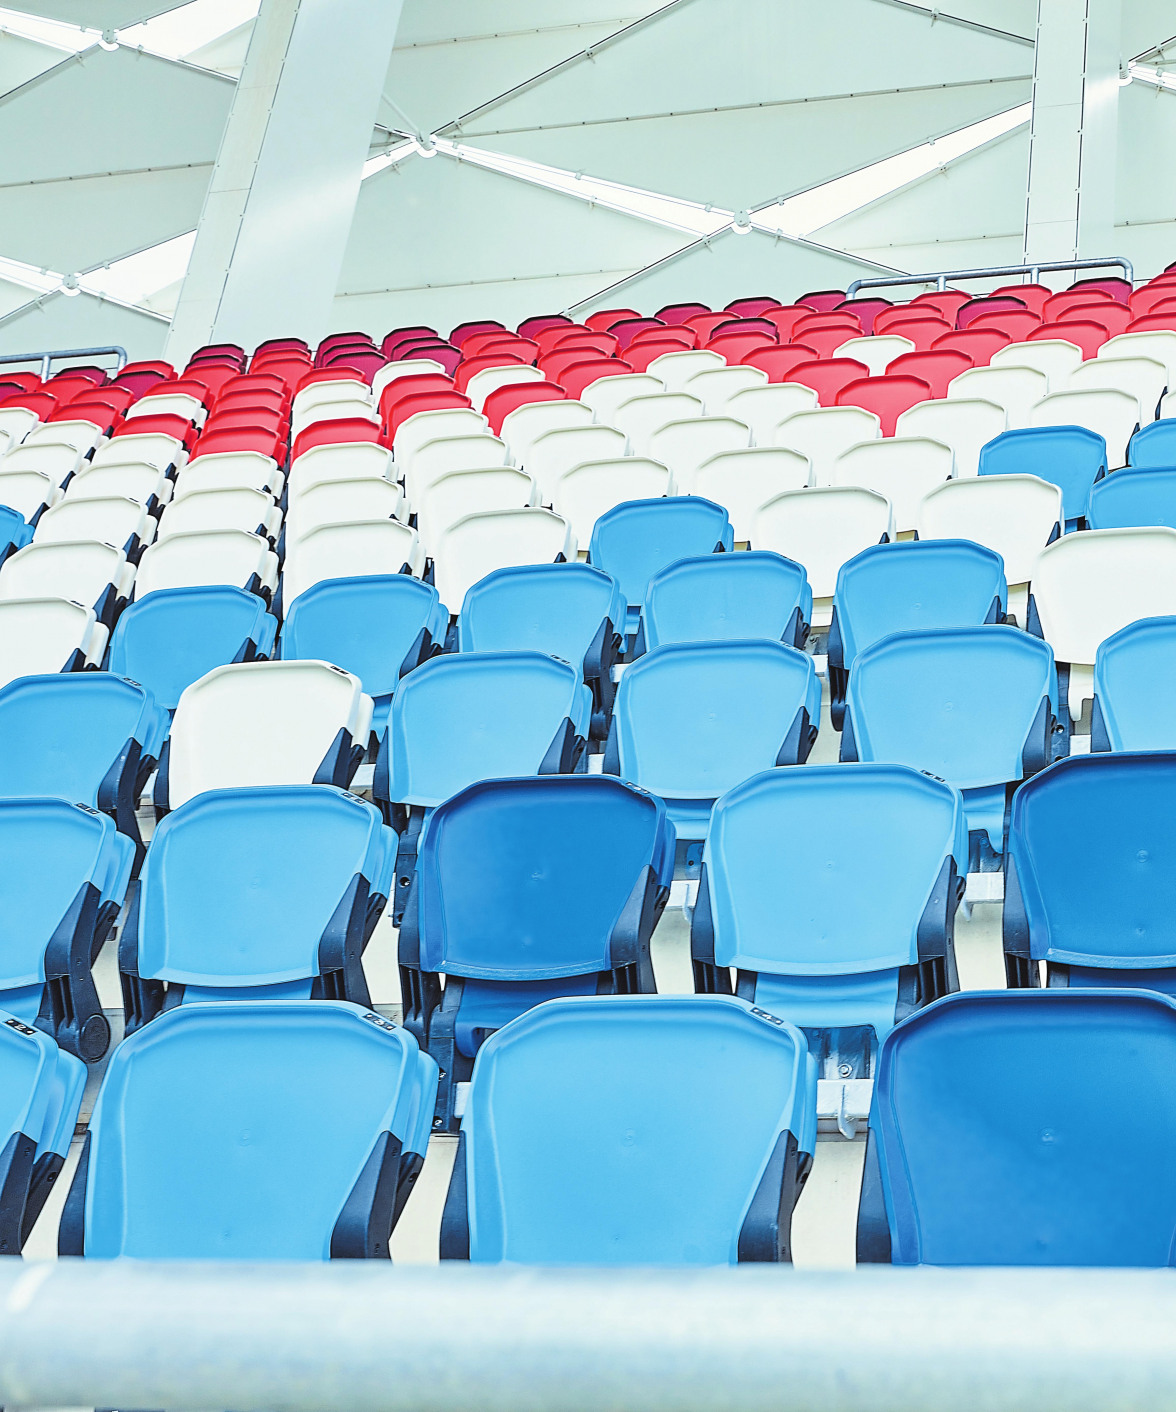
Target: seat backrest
point(525, 425)
point(742, 480)
point(349, 460)
point(79, 569)
point(961, 703)
point(822, 528)
point(526, 879)
point(585, 492)
point(462, 493)
point(448, 454)
point(206, 557)
point(716, 386)
point(683, 446)
point(1015, 515)
point(902, 468)
point(1135, 688)
point(40, 635)
point(26, 492)
point(347, 550)
point(479, 543)
point(966, 425)
point(1153, 445)
point(114, 520)
point(1107, 412)
point(556, 451)
point(1026, 1128)
point(603, 1070)
point(431, 424)
point(552, 608)
point(716, 597)
point(637, 538)
point(1055, 357)
point(284, 1103)
point(692, 719)
point(242, 508)
point(472, 716)
point(823, 433)
point(1145, 379)
point(676, 369)
point(764, 408)
point(1014, 388)
point(1159, 344)
point(607, 394)
point(1144, 495)
point(255, 723)
point(337, 501)
point(1073, 457)
point(879, 837)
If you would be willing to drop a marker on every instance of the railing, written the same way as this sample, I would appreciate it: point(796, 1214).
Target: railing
point(46, 360)
point(361, 1336)
point(1034, 271)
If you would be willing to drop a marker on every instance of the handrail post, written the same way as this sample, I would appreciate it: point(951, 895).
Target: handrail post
point(941, 278)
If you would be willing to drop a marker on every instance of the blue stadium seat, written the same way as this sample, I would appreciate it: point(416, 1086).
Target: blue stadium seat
point(915, 584)
point(15, 532)
point(64, 869)
point(1089, 885)
point(1135, 495)
point(288, 920)
point(713, 597)
point(171, 638)
point(1071, 457)
point(528, 889)
point(975, 706)
point(41, 1091)
point(635, 539)
point(89, 737)
point(1135, 688)
point(869, 937)
point(1154, 444)
point(693, 719)
point(473, 716)
point(378, 626)
point(632, 1130)
point(264, 1130)
point(1025, 1128)
point(571, 611)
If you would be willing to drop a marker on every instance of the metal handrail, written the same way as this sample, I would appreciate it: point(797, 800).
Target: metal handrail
point(941, 277)
point(47, 359)
point(368, 1337)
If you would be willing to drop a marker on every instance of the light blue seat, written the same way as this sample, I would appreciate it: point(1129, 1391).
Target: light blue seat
point(632, 1130)
point(64, 870)
point(1135, 688)
point(1073, 458)
point(1154, 444)
point(172, 637)
point(831, 890)
point(693, 719)
point(528, 889)
point(915, 584)
point(571, 611)
point(1090, 887)
point(288, 919)
point(40, 1094)
point(15, 533)
point(89, 737)
point(264, 1130)
point(637, 538)
point(1025, 1128)
point(377, 626)
point(975, 706)
point(713, 597)
point(1136, 495)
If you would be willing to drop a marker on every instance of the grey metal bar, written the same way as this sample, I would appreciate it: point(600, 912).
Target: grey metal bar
point(47, 359)
point(941, 277)
point(365, 1337)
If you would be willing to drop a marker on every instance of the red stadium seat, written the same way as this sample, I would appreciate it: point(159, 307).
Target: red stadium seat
point(909, 314)
point(888, 396)
point(604, 319)
point(338, 431)
point(138, 377)
point(1057, 305)
point(987, 304)
point(1088, 335)
point(237, 439)
point(1146, 322)
point(538, 323)
point(750, 308)
point(577, 377)
point(823, 300)
point(443, 353)
point(1147, 296)
point(1033, 296)
point(735, 346)
point(413, 386)
point(978, 343)
point(1018, 324)
point(459, 335)
point(625, 330)
point(779, 361)
point(844, 318)
point(867, 310)
point(271, 418)
point(922, 332)
point(503, 400)
point(1112, 316)
point(525, 349)
point(704, 325)
point(640, 355)
point(420, 402)
point(827, 376)
point(679, 313)
point(215, 375)
point(405, 335)
point(945, 302)
point(681, 334)
point(1118, 288)
point(936, 368)
point(588, 342)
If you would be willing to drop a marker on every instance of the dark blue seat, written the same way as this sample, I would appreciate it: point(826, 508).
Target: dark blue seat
point(869, 937)
point(1073, 458)
point(914, 584)
point(632, 1130)
point(1025, 1128)
point(975, 706)
point(1135, 495)
point(172, 637)
point(1154, 444)
point(1090, 886)
point(377, 626)
point(713, 597)
point(527, 889)
point(1135, 688)
point(261, 1130)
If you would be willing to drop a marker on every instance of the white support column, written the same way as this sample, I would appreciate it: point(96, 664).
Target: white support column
point(271, 239)
point(1070, 212)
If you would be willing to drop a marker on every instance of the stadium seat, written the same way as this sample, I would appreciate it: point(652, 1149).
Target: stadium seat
point(1016, 390)
point(874, 942)
point(448, 454)
point(1088, 586)
point(136, 480)
point(27, 493)
point(41, 635)
point(902, 468)
point(1134, 495)
point(349, 549)
point(638, 537)
point(1023, 1128)
point(231, 557)
point(762, 409)
point(1159, 344)
point(1055, 357)
point(173, 636)
point(245, 509)
point(525, 890)
point(522, 427)
point(1135, 688)
point(1109, 413)
point(717, 386)
point(684, 446)
point(675, 369)
point(823, 433)
point(234, 470)
point(965, 424)
point(591, 1073)
point(606, 395)
point(694, 719)
point(331, 1098)
point(641, 418)
point(345, 461)
point(717, 597)
point(875, 350)
point(431, 424)
point(93, 574)
point(1153, 445)
point(974, 706)
point(479, 543)
point(116, 520)
point(1072, 457)
point(933, 583)
point(1145, 379)
point(585, 492)
point(570, 611)
point(289, 921)
point(558, 450)
point(264, 723)
point(744, 479)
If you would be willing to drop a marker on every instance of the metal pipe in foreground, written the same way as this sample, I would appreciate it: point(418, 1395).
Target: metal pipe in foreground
point(366, 1336)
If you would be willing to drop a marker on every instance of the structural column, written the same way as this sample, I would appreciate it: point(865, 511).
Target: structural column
point(1070, 212)
point(274, 229)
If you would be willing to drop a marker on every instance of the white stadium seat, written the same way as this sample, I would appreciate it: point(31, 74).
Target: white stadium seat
point(462, 493)
point(901, 468)
point(584, 492)
point(966, 425)
point(823, 433)
point(683, 446)
point(744, 479)
point(208, 557)
point(1113, 414)
point(349, 549)
point(478, 544)
point(251, 510)
point(1016, 390)
point(558, 451)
